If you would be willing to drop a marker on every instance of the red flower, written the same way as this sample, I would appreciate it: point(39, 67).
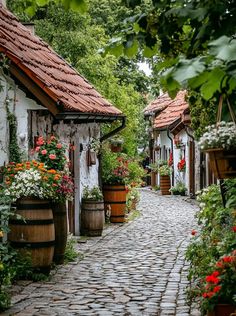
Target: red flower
point(234, 229)
point(43, 152)
point(193, 232)
point(228, 259)
point(212, 279)
point(216, 288)
point(170, 161)
point(181, 164)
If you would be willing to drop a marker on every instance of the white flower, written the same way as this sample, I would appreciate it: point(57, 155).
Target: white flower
point(221, 136)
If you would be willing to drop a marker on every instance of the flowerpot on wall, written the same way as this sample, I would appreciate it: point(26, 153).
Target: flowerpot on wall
point(61, 231)
point(223, 310)
point(115, 199)
point(91, 158)
point(92, 217)
point(165, 185)
point(115, 148)
point(34, 233)
point(222, 162)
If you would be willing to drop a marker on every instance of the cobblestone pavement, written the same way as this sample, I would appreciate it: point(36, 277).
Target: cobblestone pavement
point(134, 269)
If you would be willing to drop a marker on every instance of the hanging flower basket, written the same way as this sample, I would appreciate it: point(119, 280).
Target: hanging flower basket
point(222, 162)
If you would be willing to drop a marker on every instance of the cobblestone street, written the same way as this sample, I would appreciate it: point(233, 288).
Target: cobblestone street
point(134, 269)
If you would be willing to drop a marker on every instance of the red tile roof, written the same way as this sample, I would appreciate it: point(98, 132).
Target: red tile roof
point(158, 104)
point(48, 70)
point(175, 108)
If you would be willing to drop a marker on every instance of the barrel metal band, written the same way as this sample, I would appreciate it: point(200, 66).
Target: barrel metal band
point(31, 221)
point(32, 245)
point(117, 216)
point(33, 206)
point(110, 189)
point(115, 202)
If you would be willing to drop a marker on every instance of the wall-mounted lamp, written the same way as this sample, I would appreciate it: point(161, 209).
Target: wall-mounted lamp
point(22, 137)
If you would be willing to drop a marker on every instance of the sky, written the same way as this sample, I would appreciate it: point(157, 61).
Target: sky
point(145, 68)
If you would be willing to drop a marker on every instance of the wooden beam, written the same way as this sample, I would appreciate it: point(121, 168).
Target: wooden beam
point(39, 94)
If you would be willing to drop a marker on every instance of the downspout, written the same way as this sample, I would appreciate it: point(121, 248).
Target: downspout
point(104, 137)
point(191, 136)
point(115, 131)
point(172, 150)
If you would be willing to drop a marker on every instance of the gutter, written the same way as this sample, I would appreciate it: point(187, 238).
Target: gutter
point(172, 149)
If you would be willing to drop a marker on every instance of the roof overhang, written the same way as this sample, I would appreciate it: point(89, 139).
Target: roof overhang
point(88, 117)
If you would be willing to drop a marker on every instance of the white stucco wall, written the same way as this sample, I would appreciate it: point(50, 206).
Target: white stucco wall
point(18, 104)
point(80, 135)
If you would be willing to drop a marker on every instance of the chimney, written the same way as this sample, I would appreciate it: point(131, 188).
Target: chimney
point(3, 3)
point(29, 26)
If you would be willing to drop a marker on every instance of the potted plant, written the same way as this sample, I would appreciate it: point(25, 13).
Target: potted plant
point(219, 291)
point(178, 189)
point(31, 184)
point(116, 144)
point(181, 165)
point(219, 142)
point(92, 211)
point(115, 173)
point(165, 172)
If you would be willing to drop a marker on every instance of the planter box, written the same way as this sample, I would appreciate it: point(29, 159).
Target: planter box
point(222, 162)
point(165, 185)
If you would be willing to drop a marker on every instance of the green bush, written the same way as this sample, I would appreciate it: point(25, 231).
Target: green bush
point(215, 239)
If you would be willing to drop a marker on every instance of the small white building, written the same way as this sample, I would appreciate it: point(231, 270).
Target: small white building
point(172, 138)
point(47, 96)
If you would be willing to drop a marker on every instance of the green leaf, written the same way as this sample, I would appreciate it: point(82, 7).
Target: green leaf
point(199, 80)
point(187, 69)
point(78, 5)
point(131, 48)
point(224, 48)
point(30, 10)
point(116, 50)
point(213, 83)
point(149, 52)
point(42, 2)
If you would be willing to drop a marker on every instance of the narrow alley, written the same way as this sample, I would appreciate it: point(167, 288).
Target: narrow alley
point(135, 269)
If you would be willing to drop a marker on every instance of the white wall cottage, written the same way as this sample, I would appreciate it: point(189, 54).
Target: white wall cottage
point(32, 123)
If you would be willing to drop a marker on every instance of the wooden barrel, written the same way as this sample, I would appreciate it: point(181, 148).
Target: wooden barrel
point(34, 232)
point(223, 310)
point(165, 185)
point(92, 218)
point(61, 231)
point(115, 200)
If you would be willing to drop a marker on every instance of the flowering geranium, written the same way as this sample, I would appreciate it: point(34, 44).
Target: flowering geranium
point(221, 136)
point(165, 170)
point(52, 152)
point(32, 179)
point(181, 165)
point(220, 285)
point(170, 160)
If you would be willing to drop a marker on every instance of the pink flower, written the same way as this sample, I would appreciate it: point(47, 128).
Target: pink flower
point(40, 141)
point(59, 146)
point(52, 156)
point(37, 149)
point(43, 152)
